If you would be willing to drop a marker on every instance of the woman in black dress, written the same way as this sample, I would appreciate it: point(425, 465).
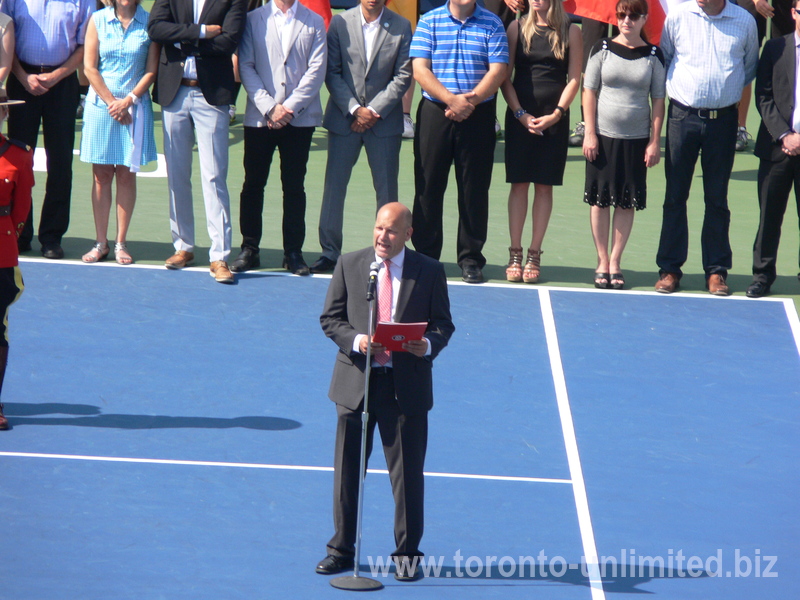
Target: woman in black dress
point(544, 72)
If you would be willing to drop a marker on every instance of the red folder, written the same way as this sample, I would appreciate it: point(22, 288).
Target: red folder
point(394, 335)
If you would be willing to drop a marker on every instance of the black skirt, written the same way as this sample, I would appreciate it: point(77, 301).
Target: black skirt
point(618, 176)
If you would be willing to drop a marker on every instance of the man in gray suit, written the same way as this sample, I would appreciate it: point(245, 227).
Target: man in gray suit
point(282, 59)
point(411, 288)
point(368, 73)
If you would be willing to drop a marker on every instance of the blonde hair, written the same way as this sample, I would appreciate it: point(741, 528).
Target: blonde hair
point(557, 33)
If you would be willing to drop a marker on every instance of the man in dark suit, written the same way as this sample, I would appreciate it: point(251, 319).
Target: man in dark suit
point(778, 147)
point(414, 289)
point(368, 73)
point(195, 87)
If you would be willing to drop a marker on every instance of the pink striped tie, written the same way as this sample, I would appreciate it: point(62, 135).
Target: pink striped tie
point(385, 306)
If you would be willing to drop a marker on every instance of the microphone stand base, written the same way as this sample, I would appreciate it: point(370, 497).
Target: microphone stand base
point(356, 583)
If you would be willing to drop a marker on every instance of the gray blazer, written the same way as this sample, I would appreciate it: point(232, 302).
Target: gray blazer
point(379, 81)
point(423, 298)
point(271, 78)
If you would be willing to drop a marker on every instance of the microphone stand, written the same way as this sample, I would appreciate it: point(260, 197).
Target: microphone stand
point(356, 582)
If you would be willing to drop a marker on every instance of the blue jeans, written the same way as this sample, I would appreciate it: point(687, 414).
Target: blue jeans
point(687, 135)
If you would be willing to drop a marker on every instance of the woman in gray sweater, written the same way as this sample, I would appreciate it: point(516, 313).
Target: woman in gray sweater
point(623, 134)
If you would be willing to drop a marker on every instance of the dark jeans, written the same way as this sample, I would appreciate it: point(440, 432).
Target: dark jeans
point(775, 180)
point(293, 144)
point(404, 439)
point(56, 111)
point(687, 135)
point(441, 142)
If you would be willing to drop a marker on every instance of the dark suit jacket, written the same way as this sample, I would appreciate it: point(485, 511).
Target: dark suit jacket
point(775, 96)
point(172, 22)
point(355, 79)
point(423, 297)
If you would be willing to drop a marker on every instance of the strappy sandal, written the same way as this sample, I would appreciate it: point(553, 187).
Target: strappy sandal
point(96, 254)
point(514, 268)
point(531, 272)
point(122, 259)
point(601, 281)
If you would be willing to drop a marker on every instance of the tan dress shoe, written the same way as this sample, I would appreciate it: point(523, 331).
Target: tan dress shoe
point(717, 286)
point(179, 260)
point(221, 272)
point(668, 283)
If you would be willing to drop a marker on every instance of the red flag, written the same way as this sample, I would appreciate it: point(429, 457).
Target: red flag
point(321, 7)
point(605, 11)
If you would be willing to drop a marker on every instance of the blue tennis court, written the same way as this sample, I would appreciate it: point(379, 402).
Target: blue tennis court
point(172, 438)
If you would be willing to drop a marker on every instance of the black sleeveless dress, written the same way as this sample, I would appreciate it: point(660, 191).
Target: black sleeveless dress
point(539, 80)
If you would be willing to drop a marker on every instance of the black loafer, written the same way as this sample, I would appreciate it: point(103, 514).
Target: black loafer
point(293, 261)
point(323, 265)
point(472, 274)
point(332, 564)
point(407, 568)
point(247, 260)
point(757, 289)
point(52, 251)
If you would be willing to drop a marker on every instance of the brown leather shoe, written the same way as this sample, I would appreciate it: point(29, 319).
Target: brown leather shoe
point(668, 283)
point(221, 272)
point(717, 286)
point(179, 260)
point(3, 420)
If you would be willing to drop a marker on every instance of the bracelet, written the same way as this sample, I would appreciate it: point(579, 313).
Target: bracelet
point(519, 112)
point(134, 98)
point(563, 112)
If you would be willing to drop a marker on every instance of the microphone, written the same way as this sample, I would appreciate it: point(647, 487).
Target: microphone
point(373, 280)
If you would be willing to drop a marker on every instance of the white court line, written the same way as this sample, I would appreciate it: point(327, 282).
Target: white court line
point(203, 463)
point(571, 443)
point(794, 321)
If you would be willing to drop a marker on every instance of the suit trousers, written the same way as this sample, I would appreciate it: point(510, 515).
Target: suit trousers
point(775, 180)
point(55, 111)
point(189, 112)
point(383, 154)
point(405, 440)
point(293, 144)
point(687, 135)
point(469, 145)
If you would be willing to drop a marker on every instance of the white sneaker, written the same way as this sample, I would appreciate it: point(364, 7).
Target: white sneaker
point(498, 130)
point(408, 127)
point(742, 139)
point(232, 112)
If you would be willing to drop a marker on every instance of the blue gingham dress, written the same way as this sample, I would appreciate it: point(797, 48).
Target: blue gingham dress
point(123, 57)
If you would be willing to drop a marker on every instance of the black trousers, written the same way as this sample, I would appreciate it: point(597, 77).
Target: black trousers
point(687, 135)
point(293, 144)
point(405, 441)
point(11, 287)
point(55, 111)
point(775, 181)
point(469, 145)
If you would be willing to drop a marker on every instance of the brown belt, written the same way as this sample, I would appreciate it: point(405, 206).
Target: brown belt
point(189, 82)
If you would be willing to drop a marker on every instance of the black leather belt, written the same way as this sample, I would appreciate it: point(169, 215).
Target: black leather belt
point(381, 370)
point(5, 210)
point(36, 69)
point(706, 113)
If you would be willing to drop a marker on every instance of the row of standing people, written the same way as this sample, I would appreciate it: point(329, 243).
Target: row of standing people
point(285, 56)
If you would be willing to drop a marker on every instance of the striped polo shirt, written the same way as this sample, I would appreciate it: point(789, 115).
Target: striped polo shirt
point(460, 53)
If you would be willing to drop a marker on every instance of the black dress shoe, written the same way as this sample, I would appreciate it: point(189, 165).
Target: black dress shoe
point(332, 564)
point(52, 251)
point(323, 265)
point(472, 274)
point(407, 568)
point(294, 262)
point(247, 260)
point(757, 289)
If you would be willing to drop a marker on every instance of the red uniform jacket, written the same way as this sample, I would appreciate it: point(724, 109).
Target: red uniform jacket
point(16, 181)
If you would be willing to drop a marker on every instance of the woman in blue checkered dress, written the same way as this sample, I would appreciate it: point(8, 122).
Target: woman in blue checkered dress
point(120, 63)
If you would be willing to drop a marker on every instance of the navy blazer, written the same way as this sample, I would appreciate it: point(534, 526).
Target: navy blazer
point(172, 22)
point(775, 83)
point(423, 298)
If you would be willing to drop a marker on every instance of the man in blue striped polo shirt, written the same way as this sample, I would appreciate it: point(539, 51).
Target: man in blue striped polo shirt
point(460, 58)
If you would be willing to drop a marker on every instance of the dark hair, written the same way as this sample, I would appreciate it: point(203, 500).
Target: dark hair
point(638, 7)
